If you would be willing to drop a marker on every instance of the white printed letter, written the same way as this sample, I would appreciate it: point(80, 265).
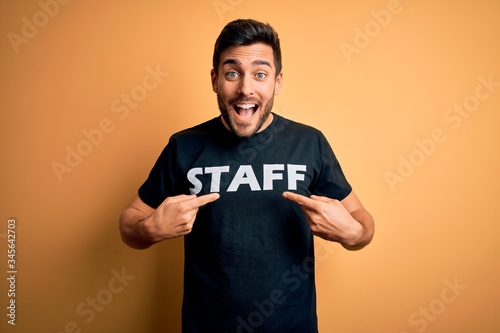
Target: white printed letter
point(269, 175)
point(216, 175)
point(293, 176)
point(244, 175)
point(191, 176)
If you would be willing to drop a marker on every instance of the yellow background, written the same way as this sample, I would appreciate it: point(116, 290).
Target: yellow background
point(378, 104)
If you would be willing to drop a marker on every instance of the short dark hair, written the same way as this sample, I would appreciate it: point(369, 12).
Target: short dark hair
point(247, 32)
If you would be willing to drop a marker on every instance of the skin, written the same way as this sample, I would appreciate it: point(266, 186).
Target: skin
point(142, 226)
point(346, 222)
point(246, 77)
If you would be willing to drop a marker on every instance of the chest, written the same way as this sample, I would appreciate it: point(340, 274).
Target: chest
point(247, 168)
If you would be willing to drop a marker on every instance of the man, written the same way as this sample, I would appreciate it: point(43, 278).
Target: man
point(247, 190)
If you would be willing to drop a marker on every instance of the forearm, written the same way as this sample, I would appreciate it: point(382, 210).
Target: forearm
point(133, 229)
point(365, 234)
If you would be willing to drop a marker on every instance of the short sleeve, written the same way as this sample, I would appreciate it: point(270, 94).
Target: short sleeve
point(331, 181)
point(161, 182)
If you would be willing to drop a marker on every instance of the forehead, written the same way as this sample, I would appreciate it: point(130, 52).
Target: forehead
point(248, 55)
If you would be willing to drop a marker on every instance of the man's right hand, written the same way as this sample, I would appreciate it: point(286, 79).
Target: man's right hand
point(142, 226)
point(176, 215)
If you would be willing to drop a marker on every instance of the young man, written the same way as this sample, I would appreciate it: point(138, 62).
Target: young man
point(247, 190)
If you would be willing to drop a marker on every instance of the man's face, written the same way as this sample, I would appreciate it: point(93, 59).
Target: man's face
point(245, 84)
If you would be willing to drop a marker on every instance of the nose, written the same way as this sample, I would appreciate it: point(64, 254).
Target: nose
point(246, 86)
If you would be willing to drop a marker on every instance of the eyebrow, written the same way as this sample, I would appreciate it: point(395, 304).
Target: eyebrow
point(255, 63)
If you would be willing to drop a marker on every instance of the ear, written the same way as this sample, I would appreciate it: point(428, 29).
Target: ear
point(278, 83)
point(213, 77)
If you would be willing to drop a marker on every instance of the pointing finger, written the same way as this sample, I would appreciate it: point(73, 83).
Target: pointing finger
point(298, 198)
point(202, 200)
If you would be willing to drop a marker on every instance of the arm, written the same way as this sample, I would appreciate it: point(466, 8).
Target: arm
point(142, 226)
point(346, 221)
point(363, 217)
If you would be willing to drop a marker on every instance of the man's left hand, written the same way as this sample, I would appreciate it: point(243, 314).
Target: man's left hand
point(329, 219)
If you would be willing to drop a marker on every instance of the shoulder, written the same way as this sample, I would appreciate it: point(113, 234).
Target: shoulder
point(190, 140)
point(194, 138)
point(204, 129)
point(293, 129)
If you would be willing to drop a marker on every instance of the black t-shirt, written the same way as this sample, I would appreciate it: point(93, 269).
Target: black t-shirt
point(249, 260)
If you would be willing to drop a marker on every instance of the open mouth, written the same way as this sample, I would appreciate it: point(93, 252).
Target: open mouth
point(245, 110)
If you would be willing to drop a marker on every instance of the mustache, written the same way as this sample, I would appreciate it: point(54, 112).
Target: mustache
point(240, 100)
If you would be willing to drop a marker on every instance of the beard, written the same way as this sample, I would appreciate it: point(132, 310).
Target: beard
point(244, 130)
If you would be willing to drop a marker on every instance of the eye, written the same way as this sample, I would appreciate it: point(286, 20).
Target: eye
point(232, 74)
point(261, 75)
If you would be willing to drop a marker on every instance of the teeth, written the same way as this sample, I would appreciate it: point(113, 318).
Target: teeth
point(245, 106)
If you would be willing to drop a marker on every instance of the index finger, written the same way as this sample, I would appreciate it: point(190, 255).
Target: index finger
point(300, 199)
point(202, 200)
